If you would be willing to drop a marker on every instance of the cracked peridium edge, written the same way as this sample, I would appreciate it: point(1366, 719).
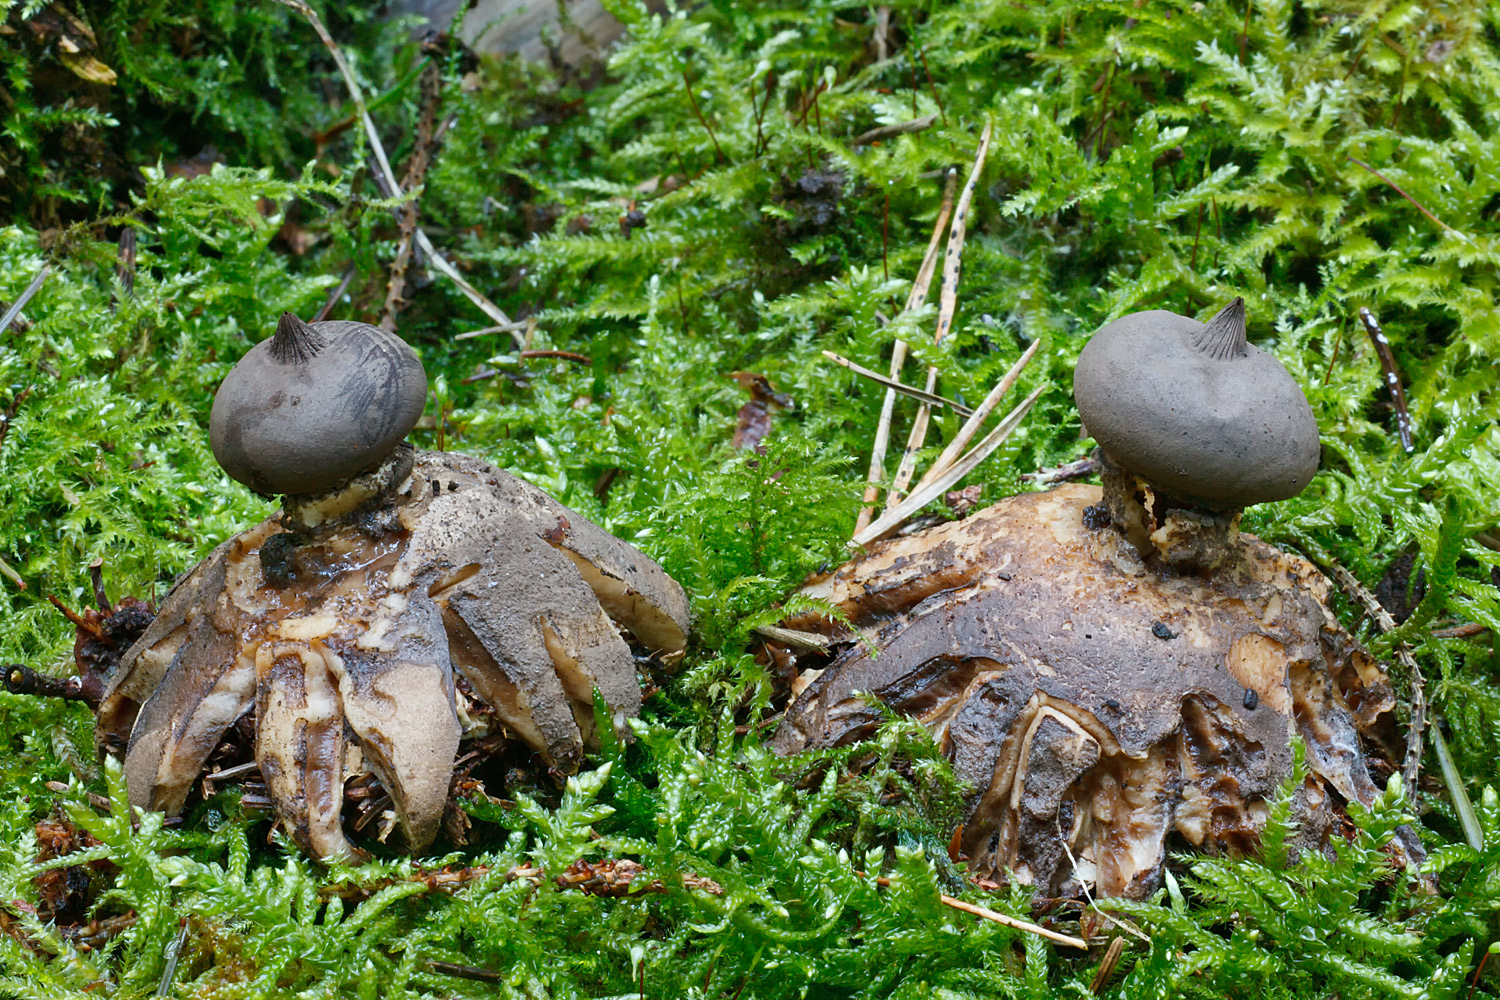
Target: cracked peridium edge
point(1026, 642)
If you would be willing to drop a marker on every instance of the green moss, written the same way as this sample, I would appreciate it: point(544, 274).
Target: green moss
point(1147, 155)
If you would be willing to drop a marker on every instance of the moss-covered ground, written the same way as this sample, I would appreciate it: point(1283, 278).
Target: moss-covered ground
point(699, 205)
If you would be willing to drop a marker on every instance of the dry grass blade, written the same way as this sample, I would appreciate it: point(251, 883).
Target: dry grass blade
point(924, 495)
point(385, 177)
point(978, 417)
point(947, 307)
point(915, 299)
point(932, 399)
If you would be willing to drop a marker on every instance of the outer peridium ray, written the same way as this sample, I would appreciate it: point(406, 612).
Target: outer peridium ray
point(1392, 380)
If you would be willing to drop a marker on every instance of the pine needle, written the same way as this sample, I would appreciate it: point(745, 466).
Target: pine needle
point(977, 418)
point(891, 385)
point(916, 299)
point(924, 495)
point(947, 306)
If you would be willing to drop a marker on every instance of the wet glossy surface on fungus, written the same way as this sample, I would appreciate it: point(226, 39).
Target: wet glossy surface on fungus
point(1097, 704)
point(370, 644)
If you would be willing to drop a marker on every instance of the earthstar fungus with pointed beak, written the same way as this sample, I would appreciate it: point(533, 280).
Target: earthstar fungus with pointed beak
point(1117, 671)
point(402, 602)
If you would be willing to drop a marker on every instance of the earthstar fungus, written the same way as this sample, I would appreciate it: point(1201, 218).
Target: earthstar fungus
point(1112, 683)
point(1195, 423)
point(403, 603)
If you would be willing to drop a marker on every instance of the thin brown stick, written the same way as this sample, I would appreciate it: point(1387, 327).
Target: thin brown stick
point(78, 620)
point(922, 53)
point(1197, 231)
point(1245, 31)
point(921, 497)
point(125, 270)
point(96, 581)
point(947, 306)
point(1465, 631)
point(335, 295)
point(416, 173)
point(759, 110)
point(472, 973)
point(979, 416)
point(914, 300)
point(808, 103)
point(385, 177)
point(885, 238)
point(688, 84)
point(1419, 206)
point(929, 398)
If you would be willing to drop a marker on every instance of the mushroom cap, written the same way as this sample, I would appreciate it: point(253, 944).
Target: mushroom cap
point(1195, 410)
point(315, 405)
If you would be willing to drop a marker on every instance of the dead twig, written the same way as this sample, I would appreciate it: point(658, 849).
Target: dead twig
point(1465, 631)
point(977, 418)
point(470, 972)
point(385, 177)
point(431, 85)
point(1411, 765)
point(891, 131)
point(1077, 469)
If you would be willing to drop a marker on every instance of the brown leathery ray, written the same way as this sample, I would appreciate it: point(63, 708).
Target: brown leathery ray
point(344, 642)
point(1097, 703)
